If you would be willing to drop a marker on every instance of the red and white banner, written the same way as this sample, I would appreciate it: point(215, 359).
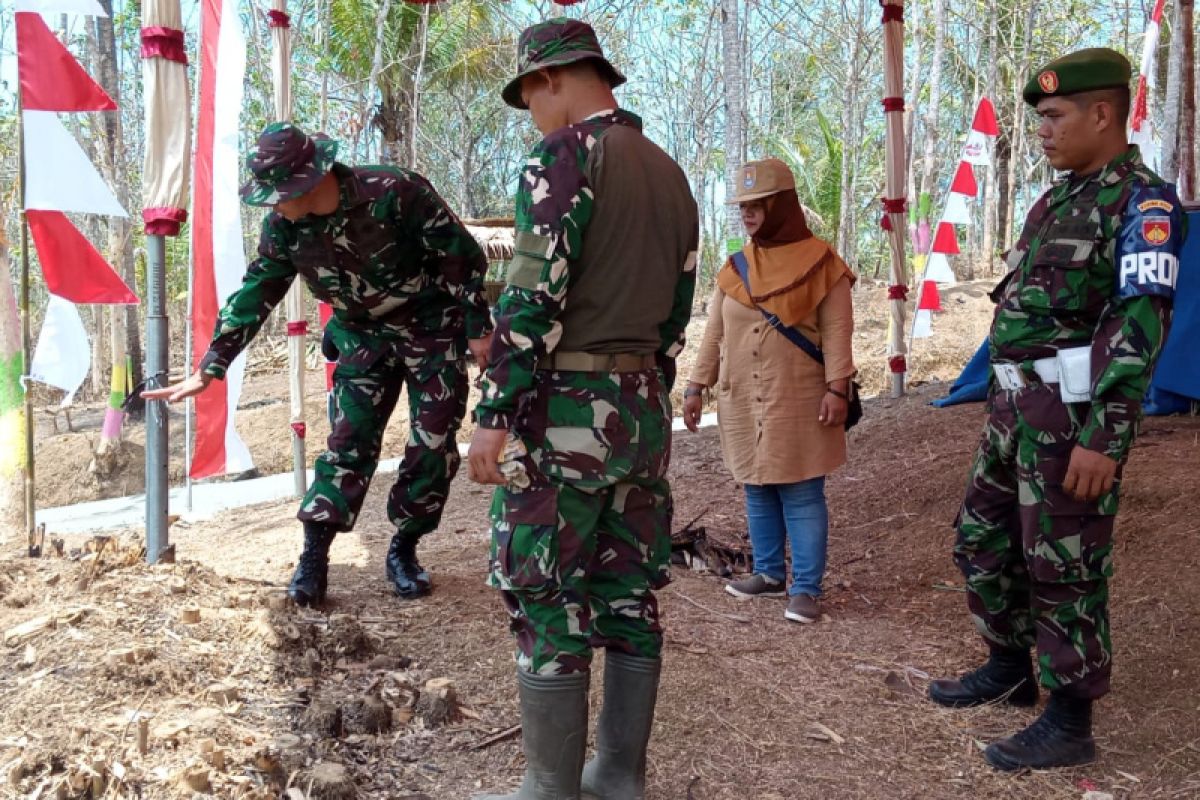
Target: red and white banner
point(1141, 131)
point(59, 175)
point(73, 269)
point(218, 258)
point(85, 7)
point(63, 354)
point(51, 78)
point(963, 189)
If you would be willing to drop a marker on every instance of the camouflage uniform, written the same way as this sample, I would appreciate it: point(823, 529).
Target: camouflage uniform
point(579, 550)
point(405, 282)
point(1095, 266)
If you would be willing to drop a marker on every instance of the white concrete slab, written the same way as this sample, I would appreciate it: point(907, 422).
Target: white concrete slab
point(208, 499)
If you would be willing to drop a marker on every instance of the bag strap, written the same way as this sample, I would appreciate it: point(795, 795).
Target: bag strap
point(791, 334)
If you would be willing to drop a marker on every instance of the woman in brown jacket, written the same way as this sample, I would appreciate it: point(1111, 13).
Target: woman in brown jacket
point(781, 412)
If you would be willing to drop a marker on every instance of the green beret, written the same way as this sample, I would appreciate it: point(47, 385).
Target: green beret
point(1081, 71)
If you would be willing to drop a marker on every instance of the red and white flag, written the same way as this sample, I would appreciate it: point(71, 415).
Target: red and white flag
point(85, 7)
point(1141, 131)
point(218, 258)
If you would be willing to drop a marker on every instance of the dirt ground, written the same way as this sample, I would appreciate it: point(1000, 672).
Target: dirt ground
point(244, 696)
point(67, 475)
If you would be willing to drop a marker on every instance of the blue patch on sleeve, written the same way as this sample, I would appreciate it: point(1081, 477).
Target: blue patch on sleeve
point(1149, 243)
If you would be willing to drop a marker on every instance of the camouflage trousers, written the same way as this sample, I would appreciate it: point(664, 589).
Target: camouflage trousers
point(1037, 561)
point(366, 387)
point(578, 552)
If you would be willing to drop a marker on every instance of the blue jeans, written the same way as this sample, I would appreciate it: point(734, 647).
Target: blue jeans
point(794, 512)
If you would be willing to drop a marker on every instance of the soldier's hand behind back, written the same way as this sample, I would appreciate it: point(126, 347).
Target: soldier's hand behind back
point(1089, 474)
point(481, 349)
point(484, 455)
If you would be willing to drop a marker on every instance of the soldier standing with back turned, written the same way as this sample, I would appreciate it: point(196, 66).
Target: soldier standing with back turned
point(587, 331)
point(1079, 323)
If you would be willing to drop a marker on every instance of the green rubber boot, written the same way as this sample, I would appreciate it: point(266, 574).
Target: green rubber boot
point(554, 717)
point(618, 772)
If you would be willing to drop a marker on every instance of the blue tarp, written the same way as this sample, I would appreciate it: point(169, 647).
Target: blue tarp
point(972, 385)
point(1176, 384)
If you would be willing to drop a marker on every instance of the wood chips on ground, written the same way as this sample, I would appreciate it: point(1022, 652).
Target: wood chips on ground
point(243, 696)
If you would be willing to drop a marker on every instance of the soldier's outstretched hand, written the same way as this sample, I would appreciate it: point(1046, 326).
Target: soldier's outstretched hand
point(196, 383)
point(1089, 474)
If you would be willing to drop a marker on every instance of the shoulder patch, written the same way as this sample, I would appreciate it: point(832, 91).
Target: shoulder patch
point(1155, 204)
point(1149, 242)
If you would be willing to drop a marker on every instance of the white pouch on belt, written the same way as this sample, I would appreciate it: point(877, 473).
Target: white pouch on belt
point(1075, 374)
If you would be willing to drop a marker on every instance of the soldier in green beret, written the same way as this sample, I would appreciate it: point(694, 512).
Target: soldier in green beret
point(576, 408)
point(405, 280)
point(1079, 322)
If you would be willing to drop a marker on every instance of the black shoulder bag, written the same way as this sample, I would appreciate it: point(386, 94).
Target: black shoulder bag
point(854, 409)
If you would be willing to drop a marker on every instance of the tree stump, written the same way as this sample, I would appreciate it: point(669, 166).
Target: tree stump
point(327, 781)
point(376, 715)
point(323, 718)
point(438, 703)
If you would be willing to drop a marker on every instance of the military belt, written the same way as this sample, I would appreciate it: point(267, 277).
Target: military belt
point(569, 361)
point(1013, 376)
point(1070, 370)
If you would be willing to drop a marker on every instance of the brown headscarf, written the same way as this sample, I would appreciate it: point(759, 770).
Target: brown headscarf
point(790, 270)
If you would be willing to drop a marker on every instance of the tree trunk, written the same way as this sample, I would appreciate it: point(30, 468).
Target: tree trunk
point(418, 77)
point(735, 110)
point(120, 244)
point(1016, 155)
point(1187, 131)
point(930, 131)
point(1173, 103)
point(910, 117)
point(989, 180)
point(12, 400)
point(851, 136)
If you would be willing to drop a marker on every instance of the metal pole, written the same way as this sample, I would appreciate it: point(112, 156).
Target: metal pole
point(26, 338)
point(156, 410)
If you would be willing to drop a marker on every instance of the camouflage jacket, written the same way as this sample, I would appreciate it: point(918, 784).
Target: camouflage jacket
point(1096, 265)
point(393, 261)
point(555, 204)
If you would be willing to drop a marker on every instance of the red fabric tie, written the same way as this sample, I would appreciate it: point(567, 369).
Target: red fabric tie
point(297, 328)
point(165, 43)
point(893, 104)
point(892, 13)
point(300, 429)
point(895, 205)
point(898, 364)
point(163, 221)
point(279, 19)
point(898, 292)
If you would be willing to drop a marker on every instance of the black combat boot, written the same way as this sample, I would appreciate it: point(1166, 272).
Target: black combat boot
point(311, 578)
point(408, 578)
point(1060, 737)
point(1007, 675)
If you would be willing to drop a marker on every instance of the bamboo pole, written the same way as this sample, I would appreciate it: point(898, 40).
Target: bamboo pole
point(294, 302)
point(26, 337)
